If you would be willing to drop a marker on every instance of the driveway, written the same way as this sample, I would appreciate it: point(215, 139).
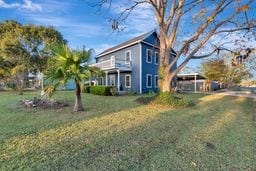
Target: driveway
point(239, 94)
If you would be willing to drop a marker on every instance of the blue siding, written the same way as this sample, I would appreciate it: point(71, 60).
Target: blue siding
point(148, 68)
point(70, 85)
point(152, 39)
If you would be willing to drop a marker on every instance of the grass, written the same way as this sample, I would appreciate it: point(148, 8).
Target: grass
point(117, 133)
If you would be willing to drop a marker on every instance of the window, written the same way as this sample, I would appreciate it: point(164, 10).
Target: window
point(112, 61)
point(149, 56)
point(112, 79)
point(149, 80)
point(101, 81)
point(128, 57)
point(156, 81)
point(156, 58)
point(127, 81)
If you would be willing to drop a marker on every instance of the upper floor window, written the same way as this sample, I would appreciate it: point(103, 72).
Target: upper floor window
point(156, 58)
point(149, 56)
point(149, 80)
point(128, 57)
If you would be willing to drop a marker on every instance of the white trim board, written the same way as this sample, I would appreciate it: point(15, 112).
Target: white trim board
point(140, 59)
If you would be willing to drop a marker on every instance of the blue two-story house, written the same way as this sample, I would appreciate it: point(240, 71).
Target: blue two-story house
point(132, 65)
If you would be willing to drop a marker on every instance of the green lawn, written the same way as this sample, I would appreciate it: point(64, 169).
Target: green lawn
point(116, 133)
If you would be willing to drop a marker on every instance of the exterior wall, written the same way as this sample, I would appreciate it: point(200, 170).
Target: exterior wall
point(70, 85)
point(135, 64)
point(152, 39)
point(148, 68)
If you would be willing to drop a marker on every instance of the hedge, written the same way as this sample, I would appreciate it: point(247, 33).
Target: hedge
point(86, 89)
point(102, 90)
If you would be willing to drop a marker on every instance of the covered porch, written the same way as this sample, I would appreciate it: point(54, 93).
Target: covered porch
point(121, 79)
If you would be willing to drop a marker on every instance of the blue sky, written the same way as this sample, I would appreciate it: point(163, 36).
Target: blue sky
point(80, 23)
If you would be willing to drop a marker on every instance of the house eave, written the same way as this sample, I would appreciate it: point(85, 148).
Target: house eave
point(117, 49)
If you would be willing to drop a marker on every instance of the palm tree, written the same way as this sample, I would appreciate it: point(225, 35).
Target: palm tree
point(69, 65)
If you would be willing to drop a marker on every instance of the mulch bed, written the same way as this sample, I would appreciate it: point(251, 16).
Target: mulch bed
point(44, 103)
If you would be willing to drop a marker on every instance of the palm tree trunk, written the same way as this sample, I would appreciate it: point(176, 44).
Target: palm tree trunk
point(78, 104)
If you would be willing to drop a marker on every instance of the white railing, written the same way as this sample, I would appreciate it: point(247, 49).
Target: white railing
point(112, 63)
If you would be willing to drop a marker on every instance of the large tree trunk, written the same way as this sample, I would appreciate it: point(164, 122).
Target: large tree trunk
point(78, 104)
point(164, 74)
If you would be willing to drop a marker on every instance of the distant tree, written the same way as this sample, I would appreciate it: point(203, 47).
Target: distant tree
point(68, 65)
point(5, 69)
point(26, 48)
point(219, 70)
point(187, 26)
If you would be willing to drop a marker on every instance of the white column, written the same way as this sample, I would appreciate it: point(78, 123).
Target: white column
point(106, 78)
point(195, 83)
point(118, 80)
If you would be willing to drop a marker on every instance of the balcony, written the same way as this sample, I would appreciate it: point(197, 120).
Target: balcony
point(113, 64)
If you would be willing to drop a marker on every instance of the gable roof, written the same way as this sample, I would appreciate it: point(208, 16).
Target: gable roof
point(126, 44)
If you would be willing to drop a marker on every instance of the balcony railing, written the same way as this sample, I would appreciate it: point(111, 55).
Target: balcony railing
point(113, 64)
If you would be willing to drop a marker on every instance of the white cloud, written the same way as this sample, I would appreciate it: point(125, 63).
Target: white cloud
point(29, 5)
point(11, 5)
point(100, 48)
point(26, 5)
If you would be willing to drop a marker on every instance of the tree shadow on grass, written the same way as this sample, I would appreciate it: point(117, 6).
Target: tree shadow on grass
point(145, 137)
point(24, 121)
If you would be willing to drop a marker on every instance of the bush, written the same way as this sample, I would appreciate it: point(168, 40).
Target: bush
point(168, 98)
point(102, 90)
point(86, 89)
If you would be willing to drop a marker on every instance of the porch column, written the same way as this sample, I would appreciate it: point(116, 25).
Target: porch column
point(106, 78)
point(118, 80)
point(195, 83)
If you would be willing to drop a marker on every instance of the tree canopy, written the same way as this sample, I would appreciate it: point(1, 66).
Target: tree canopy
point(68, 65)
point(225, 72)
point(26, 47)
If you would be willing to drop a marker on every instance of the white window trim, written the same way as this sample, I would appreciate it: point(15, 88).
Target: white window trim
point(147, 56)
point(147, 81)
point(156, 86)
point(110, 77)
point(155, 58)
point(130, 52)
point(130, 79)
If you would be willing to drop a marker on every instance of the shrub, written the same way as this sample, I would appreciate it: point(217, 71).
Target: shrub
point(168, 98)
point(86, 89)
point(101, 90)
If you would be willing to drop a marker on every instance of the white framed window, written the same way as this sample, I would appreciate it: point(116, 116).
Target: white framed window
point(112, 61)
point(149, 80)
point(156, 58)
point(127, 57)
point(149, 56)
point(112, 80)
point(127, 81)
point(156, 81)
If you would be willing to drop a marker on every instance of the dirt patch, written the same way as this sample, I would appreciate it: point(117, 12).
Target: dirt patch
point(44, 103)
